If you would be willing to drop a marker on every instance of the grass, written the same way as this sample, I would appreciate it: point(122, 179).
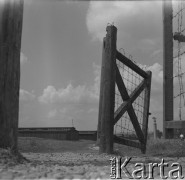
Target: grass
point(40, 145)
point(159, 147)
point(168, 148)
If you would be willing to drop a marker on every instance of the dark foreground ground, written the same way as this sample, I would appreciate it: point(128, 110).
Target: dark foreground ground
point(53, 159)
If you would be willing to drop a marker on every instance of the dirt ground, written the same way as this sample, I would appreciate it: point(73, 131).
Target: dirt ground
point(52, 159)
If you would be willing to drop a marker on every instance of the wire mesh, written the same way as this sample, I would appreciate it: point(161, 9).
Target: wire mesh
point(179, 60)
point(124, 127)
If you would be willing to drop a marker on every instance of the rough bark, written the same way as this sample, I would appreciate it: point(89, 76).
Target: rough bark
point(107, 92)
point(10, 47)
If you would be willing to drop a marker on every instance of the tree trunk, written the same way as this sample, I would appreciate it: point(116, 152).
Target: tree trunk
point(11, 17)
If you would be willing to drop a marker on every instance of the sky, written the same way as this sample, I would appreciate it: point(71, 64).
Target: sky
point(61, 55)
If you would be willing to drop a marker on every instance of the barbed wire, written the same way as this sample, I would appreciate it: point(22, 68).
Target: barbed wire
point(179, 75)
point(178, 12)
point(182, 53)
point(179, 94)
point(182, 30)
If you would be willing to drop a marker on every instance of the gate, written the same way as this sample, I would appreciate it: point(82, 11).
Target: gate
point(124, 98)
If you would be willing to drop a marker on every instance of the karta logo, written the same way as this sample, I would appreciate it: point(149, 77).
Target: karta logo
point(121, 168)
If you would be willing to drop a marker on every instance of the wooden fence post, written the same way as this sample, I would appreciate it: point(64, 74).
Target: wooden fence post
point(100, 96)
point(107, 92)
point(11, 12)
point(168, 100)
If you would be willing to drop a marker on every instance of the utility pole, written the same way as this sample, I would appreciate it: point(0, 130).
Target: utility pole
point(72, 123)
point(11, 18)
point(167, 67)
point(155, 128)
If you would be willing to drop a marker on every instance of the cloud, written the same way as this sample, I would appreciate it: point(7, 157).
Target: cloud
point(23, 59)
point(97, 74)
point(101, 13)
point(26, 96)
point(157, 76)
point(28, 109)
point(93, 110)
point(129, 16)
point(52, 113)
point(73, 95)
point(70, 94)
point(79, 103)
point(157, 53)
point(58, 112)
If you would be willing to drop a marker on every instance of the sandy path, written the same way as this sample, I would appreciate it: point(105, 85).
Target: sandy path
point(50, 159)
point(69, 166)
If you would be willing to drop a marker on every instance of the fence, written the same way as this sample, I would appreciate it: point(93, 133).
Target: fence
point(124, 99)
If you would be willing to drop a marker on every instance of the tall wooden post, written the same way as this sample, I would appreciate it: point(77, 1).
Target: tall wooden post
point(11, 18)
point(107, 92)
point(101, 94)
point(168, 67)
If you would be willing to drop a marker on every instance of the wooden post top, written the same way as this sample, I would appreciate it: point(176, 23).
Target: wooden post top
point(111, 30)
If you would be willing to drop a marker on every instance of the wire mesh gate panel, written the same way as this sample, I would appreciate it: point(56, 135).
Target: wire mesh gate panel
point(132, 95)
point(124, 99)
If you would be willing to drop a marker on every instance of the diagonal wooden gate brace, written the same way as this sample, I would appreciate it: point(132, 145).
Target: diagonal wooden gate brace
point(125, 105)
point(130, 110)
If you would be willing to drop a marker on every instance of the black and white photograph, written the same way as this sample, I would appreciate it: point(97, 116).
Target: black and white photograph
point(92, 89)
